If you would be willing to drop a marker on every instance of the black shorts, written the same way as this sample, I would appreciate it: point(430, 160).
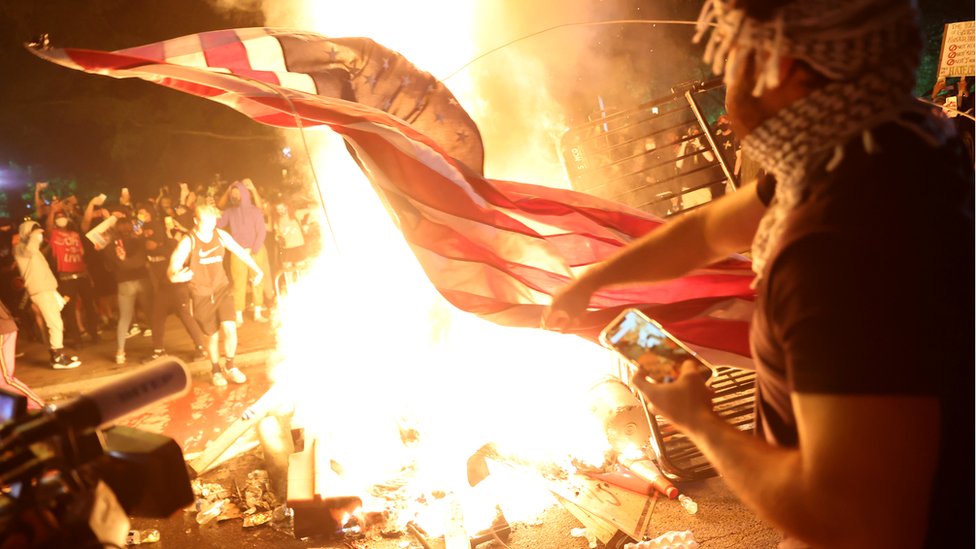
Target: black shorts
point(210, 310)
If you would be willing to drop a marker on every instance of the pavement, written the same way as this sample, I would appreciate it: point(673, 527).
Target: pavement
point(255, 340)
point(206, 411)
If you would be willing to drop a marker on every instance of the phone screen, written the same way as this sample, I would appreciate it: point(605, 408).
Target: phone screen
point(648, 346)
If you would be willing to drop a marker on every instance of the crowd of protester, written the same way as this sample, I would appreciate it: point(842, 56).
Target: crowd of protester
point(73, 275)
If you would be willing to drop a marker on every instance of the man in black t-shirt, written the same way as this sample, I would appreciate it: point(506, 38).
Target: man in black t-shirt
point(863, 327)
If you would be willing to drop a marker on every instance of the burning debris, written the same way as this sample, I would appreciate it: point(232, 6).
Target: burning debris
point(304, 492)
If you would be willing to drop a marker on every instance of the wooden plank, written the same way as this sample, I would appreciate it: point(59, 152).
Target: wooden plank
point(625, 510)
point(603, 530)
point(218, 446)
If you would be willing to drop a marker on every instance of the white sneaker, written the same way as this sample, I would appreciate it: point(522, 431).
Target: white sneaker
point(240, 318)
point(259, 315)
point(218, 379)
point(236, 375)
point(120, 357)
point(64, 362)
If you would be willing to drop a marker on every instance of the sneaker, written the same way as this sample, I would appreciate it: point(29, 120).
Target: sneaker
point(147, 332)
point(156, 354)
point(63, 362)
point(236, 375)
point(199, 354)
point(259, 315)
point(240, 318)
point(120, 357)
point(134, 331)
point(218, 379)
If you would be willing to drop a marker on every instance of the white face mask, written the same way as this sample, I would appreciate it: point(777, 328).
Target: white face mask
point(61, 222)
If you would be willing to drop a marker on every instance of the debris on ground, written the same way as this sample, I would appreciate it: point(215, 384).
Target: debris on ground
point(138, 537)
point(668, 540)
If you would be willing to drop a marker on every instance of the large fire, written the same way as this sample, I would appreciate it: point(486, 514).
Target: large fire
point(370, 351)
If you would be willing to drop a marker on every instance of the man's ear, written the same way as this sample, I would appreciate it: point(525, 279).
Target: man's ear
point(791, 68)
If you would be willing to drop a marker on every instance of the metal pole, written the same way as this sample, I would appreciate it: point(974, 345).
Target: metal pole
point(695, 108)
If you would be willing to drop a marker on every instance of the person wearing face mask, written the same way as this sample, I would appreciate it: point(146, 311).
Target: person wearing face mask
point(243, 217)
point(73, 280)
point(42, 286)
point(126, 257)
point(168, 297)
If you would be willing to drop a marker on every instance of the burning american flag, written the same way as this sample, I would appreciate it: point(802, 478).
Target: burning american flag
point(498, 249)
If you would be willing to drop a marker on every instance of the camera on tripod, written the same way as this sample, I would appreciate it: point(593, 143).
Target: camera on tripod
point(67, 480)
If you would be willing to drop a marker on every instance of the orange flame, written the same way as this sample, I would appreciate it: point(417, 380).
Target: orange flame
point(368, 346)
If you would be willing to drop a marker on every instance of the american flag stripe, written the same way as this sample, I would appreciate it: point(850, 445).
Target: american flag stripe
point(499, 249)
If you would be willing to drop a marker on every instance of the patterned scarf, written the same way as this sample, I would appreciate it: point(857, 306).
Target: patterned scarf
point(869, 50)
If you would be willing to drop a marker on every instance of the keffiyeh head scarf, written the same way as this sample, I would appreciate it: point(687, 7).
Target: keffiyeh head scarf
point(867, 49)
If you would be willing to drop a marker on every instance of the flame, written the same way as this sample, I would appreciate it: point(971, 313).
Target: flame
point(369, 350)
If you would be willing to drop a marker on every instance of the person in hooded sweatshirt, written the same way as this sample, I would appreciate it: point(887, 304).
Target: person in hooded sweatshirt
point(243, 218)
point(43, 290)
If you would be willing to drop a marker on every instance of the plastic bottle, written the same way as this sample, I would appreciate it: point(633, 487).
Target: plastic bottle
point(137, 537)
point(688, 503)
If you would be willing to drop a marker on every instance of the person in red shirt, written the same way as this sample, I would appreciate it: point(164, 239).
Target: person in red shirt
point(72, 273)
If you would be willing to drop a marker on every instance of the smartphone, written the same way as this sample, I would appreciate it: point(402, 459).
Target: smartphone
point(649, 347)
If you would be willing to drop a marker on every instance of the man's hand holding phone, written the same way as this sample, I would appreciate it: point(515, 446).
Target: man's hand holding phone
point(686, 402)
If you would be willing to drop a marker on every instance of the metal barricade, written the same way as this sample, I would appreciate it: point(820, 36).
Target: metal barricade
point(664, 158)
point(661, 156)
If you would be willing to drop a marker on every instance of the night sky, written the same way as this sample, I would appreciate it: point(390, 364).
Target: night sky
point(101, 133)
point(106, 133)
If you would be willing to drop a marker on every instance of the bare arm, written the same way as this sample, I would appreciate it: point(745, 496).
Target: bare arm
point(222, 202)
point(49, 221)
point(861, 476)
point(40, 208)
point(693, 240)
point(176, 271)
point(86, 220)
